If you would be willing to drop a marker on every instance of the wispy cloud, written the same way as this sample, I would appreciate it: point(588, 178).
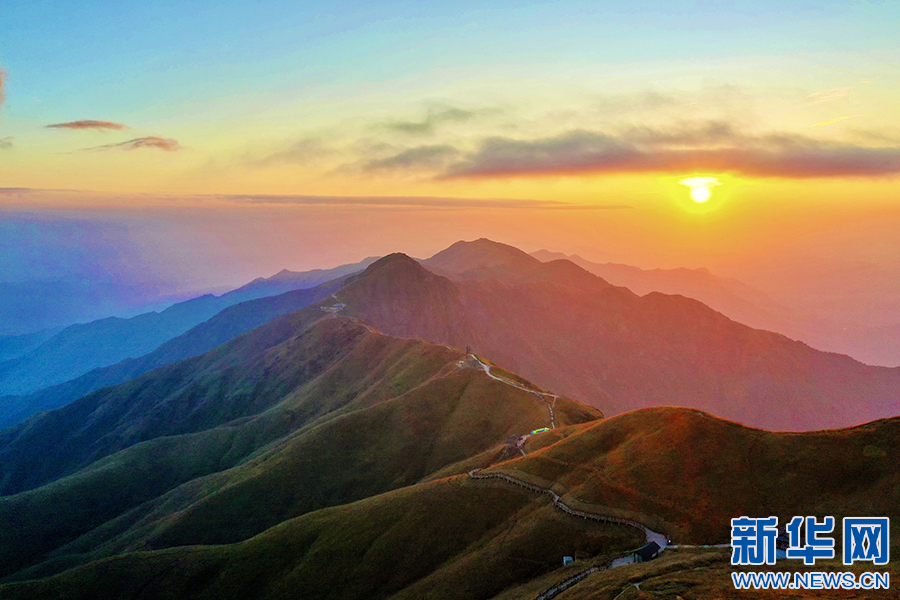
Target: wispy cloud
point(6, 143)
point(306, 150)
point(436, 116)
point(882, 136)
point(428, 157)
point(713, 146)
point(2, 86)
point(826, 96)
point(87, 124)
point(833, 121)
point(684, 134)
point(647, 100)
point(143, 142)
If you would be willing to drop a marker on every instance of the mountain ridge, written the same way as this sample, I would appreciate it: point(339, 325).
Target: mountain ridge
point(618, 351)
point(77, 349)
point(254, 411)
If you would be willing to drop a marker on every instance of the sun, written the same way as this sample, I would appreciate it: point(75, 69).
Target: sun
point(701, 187)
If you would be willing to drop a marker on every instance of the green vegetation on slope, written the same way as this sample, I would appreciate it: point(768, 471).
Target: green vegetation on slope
point(446, 539)
point(461, 538)
point(220, 448)
point(694, 472)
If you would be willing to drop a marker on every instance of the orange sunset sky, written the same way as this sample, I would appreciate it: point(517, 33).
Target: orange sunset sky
point(185, 149)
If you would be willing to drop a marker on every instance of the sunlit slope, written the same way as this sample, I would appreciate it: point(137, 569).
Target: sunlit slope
point(690, 473)
point(219, 448)
point(556, 324)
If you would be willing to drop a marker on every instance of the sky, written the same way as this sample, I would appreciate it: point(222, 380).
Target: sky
point(178, 147)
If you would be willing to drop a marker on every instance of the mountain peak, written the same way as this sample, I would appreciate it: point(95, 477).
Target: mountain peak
point(480, 257)
point(393, 263)
point(390, 275)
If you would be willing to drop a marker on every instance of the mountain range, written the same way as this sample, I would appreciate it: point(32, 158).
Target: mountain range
point(317, 455)
point(433, 429)
point(579, 335)
point(831, 324)
point(74, 350)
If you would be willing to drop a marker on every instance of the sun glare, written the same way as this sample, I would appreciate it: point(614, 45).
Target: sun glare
point(701, 187)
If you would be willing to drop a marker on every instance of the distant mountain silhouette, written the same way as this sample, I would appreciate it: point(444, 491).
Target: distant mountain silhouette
point(842, 332)
point(14, 346)
point(734, 299)
point(483, 259)
point(286, 281)
point(227, 324)
point(79, 348)
point(577, 334)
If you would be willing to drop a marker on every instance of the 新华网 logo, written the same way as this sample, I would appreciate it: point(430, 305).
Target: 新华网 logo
point(754, 540)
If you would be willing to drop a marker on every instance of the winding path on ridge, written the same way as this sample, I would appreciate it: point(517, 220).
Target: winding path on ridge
point(334, 308)
point(541, 395)
point(649, 534)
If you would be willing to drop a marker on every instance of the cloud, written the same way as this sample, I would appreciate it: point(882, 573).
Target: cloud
point(143, 142)
point(712, 146)
point(436, 116)
point(306, 150)
point(826, 96)
point(429, 157)
point(833, 121)
point(2, 86)
point(647, 100)
point(6, 143)
point(572, 152)
point(685, 134)
point(881, 136)
point(87, 124)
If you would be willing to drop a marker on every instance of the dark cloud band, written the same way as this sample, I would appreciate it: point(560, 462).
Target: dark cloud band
point(712, 147)
point(87, 124)
point(436, 116)
point(143, 142)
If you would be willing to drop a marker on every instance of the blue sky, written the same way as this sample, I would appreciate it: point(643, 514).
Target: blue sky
point(142, 61)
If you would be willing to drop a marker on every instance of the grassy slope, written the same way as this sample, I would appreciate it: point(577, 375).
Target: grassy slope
point(455, 538)
point(480, 540)
point(694, 472)
point(334, 414)
point(685, 470)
